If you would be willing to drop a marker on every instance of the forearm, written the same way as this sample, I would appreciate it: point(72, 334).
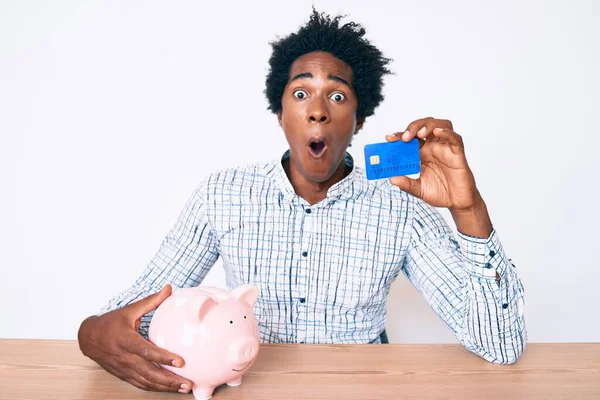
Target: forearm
point(184, 258)
point(470, 285)
point(493, 324)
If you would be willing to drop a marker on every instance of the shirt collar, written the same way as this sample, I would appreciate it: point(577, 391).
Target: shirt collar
point(344, 189)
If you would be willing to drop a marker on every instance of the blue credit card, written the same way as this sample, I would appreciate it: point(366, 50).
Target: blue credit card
point(388, 159)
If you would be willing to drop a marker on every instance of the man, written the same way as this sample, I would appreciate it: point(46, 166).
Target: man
point(321, 242)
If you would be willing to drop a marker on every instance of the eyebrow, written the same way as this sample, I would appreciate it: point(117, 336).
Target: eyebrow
point(330, 77)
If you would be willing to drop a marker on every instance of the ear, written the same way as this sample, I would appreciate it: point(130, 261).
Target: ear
point(246, 293)
point(359, 124)
point(202, 305)
point(279, 117)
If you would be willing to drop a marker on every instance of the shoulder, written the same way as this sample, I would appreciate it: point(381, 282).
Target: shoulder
point(235, 181)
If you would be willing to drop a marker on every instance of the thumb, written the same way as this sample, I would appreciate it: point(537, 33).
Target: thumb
point(150, 303)
point(411, 186)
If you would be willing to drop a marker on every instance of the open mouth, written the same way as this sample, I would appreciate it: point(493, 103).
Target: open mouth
point(240, 370)
point(317, 147)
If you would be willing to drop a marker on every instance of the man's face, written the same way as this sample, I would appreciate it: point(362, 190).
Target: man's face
point(318, 114)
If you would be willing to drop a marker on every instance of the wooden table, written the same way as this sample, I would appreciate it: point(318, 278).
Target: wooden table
point(45, 369)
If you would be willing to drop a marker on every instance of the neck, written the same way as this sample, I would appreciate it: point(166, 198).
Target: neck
point(313, 192)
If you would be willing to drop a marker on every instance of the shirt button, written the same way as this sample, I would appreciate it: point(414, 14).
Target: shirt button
point(488, 265)
point(308, 210)
point(505, 306)
point(302, 300)
point(492, 253)
point(304, 253)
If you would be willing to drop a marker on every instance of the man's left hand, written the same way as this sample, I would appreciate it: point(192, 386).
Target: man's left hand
point(446, 179)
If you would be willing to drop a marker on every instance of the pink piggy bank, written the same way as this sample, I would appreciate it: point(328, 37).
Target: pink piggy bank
point(214, 330)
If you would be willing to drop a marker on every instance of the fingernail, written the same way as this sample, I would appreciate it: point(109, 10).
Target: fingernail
point(422, 130)
point(406, 134)
point(176, 363)
point(438, 130)
point(184, 388)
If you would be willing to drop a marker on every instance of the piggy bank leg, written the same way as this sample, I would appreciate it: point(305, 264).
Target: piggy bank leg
point(235, 382)
point(202, 393)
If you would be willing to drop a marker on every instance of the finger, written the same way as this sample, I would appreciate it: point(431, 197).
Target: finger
point(111, 369)
point(414, 128)
point(444, 123)
point(150, 385)
point(139, 381)
point(152, 353)
point(405, 136)
point(394, 137)
point(420, 128)
point(417, 128)
point(150, 303)
point(126, 371)
point(411, 186)
point(449, 136)
point(135, 383)
point(127, 375)
point(431, 124)
point(159, 377)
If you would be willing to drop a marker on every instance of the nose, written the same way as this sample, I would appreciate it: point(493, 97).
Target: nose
point(318, 118)
point(243, 351)
point(318, 113)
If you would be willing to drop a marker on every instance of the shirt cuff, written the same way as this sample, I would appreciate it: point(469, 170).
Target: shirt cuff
point(485, 255)
point(145, 324)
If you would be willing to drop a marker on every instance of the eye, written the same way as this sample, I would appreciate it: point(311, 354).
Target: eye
point(244, 317)
point(337, 97)
point(231, 322)
point(300, 94)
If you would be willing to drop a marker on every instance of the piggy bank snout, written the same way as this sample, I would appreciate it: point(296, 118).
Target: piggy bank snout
point(243, 351)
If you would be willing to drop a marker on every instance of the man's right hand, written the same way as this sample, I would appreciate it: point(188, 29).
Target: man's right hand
point(113, 341)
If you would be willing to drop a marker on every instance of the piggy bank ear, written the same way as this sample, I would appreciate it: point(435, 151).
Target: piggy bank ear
point(202, 305)
point(246, 293)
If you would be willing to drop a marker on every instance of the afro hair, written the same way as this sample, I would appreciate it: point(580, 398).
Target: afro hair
point(346, 42)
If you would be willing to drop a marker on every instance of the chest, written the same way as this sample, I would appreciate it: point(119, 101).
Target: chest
point(295, 247)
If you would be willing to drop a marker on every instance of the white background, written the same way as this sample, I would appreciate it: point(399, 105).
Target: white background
point(112, 112)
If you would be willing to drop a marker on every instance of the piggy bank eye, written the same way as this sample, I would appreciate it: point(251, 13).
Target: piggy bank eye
point(231, 322)
point(244, 317)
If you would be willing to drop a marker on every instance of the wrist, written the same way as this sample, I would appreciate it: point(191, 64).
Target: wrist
point(473, 220)
point(476, 205)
